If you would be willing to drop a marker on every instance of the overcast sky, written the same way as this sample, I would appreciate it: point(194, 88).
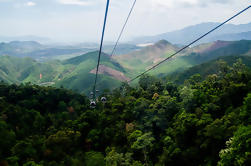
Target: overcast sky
point(81, 20)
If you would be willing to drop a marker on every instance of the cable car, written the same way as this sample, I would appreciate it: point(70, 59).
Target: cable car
point(93, 104)
point(103, 99)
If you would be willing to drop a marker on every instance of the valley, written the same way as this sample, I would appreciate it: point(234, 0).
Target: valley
point(125, 83)
point(77, 72)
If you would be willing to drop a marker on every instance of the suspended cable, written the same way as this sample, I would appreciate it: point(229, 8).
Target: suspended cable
point(100, 50)
point(121, 32)
point(153, 67)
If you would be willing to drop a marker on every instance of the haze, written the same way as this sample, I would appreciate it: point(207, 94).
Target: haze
point(81, 20)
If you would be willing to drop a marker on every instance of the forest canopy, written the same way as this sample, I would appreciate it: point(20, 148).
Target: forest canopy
point(204, 121)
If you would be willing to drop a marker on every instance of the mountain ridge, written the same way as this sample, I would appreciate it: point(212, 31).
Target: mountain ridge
point(190, 33)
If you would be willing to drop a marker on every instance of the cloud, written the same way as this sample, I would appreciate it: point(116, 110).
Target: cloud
point(30, 3)
point(66, 20)
point(75, 2)
point(187, 3)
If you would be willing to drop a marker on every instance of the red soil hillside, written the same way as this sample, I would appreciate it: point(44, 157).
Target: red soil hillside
point(111, 72)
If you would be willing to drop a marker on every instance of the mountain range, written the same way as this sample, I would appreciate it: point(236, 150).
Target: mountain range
point(24, 38)
point(43, 52)
point(141, 60)
point(78, 73)
point(184, 36)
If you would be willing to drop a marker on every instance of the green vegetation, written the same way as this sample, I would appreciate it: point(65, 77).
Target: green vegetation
point(201, 122)
point(17, 70)
point(73, 73)
point(207, 68)
point(77, 73)
point(81, 79)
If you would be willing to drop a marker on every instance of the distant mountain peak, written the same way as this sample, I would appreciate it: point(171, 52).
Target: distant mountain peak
point(97, 52)
point(163, 43)
point(25, 43)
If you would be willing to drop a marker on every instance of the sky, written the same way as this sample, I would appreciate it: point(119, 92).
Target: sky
point(81, 20)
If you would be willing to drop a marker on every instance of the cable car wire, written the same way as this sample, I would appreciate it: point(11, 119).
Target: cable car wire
point(123, 28)
point(100, 50)
point(153, 67)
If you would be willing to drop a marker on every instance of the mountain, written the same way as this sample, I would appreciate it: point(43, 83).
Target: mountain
point(190, 33)
point(38, 51)
point(24, 38)
point(204, 53)
point(221, 48)
point(207, 68)
point(42, 52)
point(18, 70)
point(233, 36)
point(16, 47)
point(76, 73)
point(80, 74)
point(140, 60)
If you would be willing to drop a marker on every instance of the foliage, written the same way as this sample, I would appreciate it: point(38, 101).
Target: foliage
point(156, 123)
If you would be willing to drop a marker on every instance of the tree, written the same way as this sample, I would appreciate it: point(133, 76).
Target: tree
point(24, 150)
point(238, 151)
point(61, 143)
point(31, 163)
point(144, 143)
point(94, 159)
point(146, 81)
point(114, 158)
point(246, 110)
point(7, 139)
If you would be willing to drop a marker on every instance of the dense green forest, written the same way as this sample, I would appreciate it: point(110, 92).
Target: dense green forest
point(204, 121)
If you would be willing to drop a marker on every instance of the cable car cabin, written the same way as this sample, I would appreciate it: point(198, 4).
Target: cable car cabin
point(93, 104)
point(103, 99)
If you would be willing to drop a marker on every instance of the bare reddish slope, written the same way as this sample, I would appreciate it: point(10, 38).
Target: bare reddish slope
point(208, 47)
point(111, 72)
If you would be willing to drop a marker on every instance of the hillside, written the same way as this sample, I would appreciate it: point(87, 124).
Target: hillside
point(75, 73)
point(208, 68)
point(80, 76)
point(17, 70)
point(233, 36)
point(221, 48)
point(204, 122)
point(140, 60)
